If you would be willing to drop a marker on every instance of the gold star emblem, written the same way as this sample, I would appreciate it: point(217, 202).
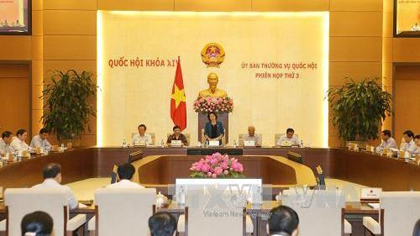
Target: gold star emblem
point(178, 96)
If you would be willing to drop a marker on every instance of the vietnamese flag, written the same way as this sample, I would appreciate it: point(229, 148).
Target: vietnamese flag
point(178, 99)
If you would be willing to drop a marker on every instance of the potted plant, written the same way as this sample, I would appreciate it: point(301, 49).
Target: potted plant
point(68, 104)
point(359, 109)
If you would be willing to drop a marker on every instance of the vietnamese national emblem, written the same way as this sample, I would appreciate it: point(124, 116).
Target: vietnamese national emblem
point(212, 55)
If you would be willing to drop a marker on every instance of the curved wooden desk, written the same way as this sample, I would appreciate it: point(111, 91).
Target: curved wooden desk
point(158, 171)
point(361, 168)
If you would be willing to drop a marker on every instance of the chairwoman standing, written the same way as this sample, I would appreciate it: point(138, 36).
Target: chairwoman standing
point(213, 130)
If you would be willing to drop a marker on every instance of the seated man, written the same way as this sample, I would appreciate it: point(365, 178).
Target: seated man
point(177, 135)
point(40, 140)
point(289, 137)
point(252, 136)
point(387, 141)
point(142, 137)
point(37, 223)
point(409, 145)
point(417, 139)
point(52, 179)
point(5, 141)
point(125, 173)
point(162, 224)
point(19, 143)
point(283, 221)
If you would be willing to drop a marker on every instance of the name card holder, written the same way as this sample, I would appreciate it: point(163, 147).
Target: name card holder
point(370, 195)
point(213, 143)
point(140, 144)
point(176, 143)
point(286, 143)
point(249, 143)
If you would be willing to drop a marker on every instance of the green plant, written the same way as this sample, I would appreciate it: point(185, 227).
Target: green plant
point(359, 109)
point(68, 103)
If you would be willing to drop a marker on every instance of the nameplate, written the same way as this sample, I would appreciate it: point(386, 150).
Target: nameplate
point(370, 194)
point(140, 143)
point(176, 143)
point(286, 143)
point(213, 143)
point(249, 143)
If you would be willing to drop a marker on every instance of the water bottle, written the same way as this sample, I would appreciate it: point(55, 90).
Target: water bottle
point(162, 144)
point(301, 143)
point(181, 199)
point(15, 155)
point(124, 143)
point(6, 157)
point(234, 143)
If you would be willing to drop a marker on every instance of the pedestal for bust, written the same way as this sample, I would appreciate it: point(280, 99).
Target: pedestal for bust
point(202, 120)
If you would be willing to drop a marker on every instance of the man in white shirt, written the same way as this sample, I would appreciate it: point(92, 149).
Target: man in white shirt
point(19, 143)
point(252, 136)
point(417, 139)
point(40, 140)
point(52, 180)
point(409, 145)
point(289, 137)
point(387, 141)
point(141, 138)
point(283, 221)
point(125, 174)
point(5, 141)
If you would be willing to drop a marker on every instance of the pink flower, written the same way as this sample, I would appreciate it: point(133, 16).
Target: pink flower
point(216, 165)
point(205, 168)
point(218, 171)
point(201, 100)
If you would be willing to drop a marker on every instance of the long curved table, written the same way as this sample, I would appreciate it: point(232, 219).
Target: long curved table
point(390, 174)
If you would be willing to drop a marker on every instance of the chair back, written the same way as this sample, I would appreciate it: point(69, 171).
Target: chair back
point(124, 211)
point(22, 201)
point(402, 210)
point(320, 214)
point(214, 212)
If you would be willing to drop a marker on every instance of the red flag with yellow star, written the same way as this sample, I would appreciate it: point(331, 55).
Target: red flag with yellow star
point(178, 99)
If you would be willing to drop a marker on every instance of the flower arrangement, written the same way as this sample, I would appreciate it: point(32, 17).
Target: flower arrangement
point(209, 104)
point(217, 166)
